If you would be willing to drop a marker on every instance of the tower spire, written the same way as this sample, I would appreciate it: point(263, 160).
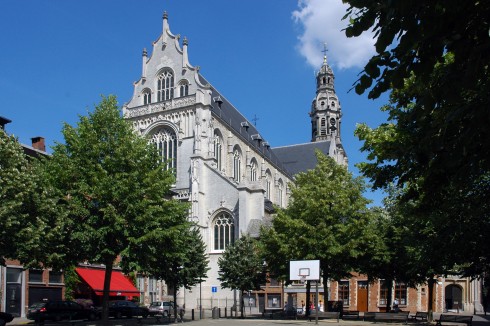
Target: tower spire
point(325, 53)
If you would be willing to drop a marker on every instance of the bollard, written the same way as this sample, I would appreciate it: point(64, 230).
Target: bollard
point(192, 313)
point(219, 312)
point(226, 313)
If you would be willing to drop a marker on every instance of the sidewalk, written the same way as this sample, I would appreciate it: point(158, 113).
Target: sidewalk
point(478, 320)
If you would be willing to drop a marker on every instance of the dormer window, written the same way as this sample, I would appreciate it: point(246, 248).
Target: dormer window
point(165, 86)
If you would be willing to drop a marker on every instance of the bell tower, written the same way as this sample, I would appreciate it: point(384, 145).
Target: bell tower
point(325, 109)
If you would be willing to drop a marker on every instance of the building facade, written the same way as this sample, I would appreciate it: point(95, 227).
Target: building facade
point(224, 167)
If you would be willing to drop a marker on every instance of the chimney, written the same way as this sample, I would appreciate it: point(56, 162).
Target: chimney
point(38, 143)
point(3, 122)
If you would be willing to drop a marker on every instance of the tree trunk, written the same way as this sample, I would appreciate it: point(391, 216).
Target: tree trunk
point(242, 307)
point(175, 301)
point(308, 288)
point(325, 292)
point(107, 288)
point(430, 309)
point(389, 284)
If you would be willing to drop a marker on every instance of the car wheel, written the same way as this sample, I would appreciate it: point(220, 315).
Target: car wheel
point(165, 313)
point(118, 315)
point(92, 316)
point(57, 318)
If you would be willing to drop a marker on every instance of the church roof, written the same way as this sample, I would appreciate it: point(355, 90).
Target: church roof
point(231, 117)
point(301, 157)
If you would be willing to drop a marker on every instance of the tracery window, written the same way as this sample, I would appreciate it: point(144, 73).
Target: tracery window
point(237, 160)
point(165, 86)
point(323, 126)
point(253, 170)
point(224, 231)
point(165, 140)
point(218, 150)
point(184, 88)
point(146, 96)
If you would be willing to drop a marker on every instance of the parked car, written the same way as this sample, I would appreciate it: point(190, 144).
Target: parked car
point(60, 310)
point(163, 308)
point(126, 308)
point(5, 318)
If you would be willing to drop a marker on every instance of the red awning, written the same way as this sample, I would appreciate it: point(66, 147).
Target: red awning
point(120, 284)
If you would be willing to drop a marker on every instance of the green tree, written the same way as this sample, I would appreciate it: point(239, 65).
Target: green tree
point(241, 267)
point(183, 262)
point(327, 219)
point(435, 57)
point(23, 203)
point(113, 193)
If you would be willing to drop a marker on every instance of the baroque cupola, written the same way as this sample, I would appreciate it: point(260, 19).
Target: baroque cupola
point(325, 109)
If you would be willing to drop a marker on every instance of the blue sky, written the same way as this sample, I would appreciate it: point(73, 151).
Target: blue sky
point(58, 56)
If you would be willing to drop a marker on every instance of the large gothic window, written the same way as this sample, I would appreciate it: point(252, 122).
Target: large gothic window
point(237, 161)
point(253, 170)
point(146, 96)
point(218, 150)
point(224, 231)
point(166, 142)
point(165, 86)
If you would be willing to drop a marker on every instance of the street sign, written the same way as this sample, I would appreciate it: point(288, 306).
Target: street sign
point(214, 289)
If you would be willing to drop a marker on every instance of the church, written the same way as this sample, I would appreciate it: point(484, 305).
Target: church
point(224, 167)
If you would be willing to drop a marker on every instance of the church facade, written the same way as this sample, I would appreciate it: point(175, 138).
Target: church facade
point(224, 167)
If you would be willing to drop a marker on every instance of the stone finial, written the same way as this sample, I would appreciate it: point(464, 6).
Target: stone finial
point(145, 53)
point(185, 41)
point(165, 15)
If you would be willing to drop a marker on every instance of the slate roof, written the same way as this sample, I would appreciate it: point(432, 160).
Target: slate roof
point(300, 157)
point(231, 117)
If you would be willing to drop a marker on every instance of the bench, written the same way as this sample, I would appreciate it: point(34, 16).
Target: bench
point(391, 316)
point(352, 315)
point(324, 315)
point(454, 319)
point(368, 316)
point(420, 316)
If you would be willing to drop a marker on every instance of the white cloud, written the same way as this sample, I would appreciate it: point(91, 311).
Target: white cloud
point(321, 22)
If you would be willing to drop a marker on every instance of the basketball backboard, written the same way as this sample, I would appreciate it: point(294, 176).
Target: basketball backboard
point(304, 270)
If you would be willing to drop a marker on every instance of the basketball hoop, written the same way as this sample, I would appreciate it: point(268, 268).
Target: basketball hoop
point(303, 273)
point(302, 279)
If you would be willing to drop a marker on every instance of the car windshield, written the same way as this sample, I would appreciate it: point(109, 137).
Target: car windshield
point(155, 304)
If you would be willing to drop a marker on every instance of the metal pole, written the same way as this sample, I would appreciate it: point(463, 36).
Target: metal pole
point(200, 299)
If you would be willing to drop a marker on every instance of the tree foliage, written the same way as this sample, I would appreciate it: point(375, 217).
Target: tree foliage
point(24, 202)
point(112, 191)
point(327, 219)
point(241, 267)
point(435, 57)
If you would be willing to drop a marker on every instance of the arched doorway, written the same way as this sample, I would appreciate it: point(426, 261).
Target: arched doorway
point(454, 297)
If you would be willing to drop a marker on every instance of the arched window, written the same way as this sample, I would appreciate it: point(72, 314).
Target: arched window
point(253, 170)
point(268, 184)
point(218, 150)
point(166, 142)
point(165, 86)
point(280, 193)
point(224, 231)
point(146, 96)
point(184, 88)
point(237, 161)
